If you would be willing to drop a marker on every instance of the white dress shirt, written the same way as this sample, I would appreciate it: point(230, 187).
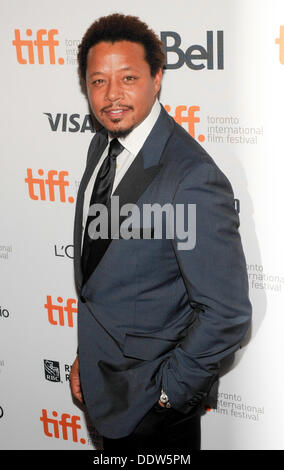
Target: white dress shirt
point(132, 144)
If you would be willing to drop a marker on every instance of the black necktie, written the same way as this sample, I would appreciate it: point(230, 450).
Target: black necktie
point(101, 192)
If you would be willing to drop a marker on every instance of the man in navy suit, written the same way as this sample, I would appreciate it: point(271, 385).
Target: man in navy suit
point(156, 313)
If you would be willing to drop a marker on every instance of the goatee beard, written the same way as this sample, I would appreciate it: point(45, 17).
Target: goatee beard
point(120, 132)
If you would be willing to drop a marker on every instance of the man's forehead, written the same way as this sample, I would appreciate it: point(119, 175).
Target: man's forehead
point(120, 47)
point(122, 69)
point(125, 55)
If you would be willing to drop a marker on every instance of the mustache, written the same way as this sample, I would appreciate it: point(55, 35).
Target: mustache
point(110, 107)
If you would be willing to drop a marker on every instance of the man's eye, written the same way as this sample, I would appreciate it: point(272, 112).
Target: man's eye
point(97, 82)
point(129, 78)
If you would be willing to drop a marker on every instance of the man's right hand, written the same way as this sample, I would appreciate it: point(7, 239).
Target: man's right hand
point(75, 381)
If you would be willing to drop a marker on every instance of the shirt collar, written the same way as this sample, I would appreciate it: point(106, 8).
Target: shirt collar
point(134, 141)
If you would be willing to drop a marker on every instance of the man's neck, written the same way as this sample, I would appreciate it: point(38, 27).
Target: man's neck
point(136, 138)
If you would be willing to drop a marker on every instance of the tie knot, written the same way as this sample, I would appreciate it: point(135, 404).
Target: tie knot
point(115, 148)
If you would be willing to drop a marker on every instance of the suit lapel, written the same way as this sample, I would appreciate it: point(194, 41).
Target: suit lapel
point(96, 149)
point(135, 182)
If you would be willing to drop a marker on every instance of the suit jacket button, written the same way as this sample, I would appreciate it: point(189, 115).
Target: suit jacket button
point(82, 298)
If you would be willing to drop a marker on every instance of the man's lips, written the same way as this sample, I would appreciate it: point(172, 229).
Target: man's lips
point(116, 112)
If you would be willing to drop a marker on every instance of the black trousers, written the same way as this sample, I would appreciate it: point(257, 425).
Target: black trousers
point(161, 429)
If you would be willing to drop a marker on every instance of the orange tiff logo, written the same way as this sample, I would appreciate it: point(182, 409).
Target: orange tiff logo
point(44, 42)
point(187, 114)
point(54, 179)
point(280, 41)
point(56, 427)
point(67, 311)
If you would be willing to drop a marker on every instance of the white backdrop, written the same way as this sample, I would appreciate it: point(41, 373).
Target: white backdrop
point(231, 100)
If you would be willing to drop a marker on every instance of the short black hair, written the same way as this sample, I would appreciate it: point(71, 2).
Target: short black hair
point(119, 27)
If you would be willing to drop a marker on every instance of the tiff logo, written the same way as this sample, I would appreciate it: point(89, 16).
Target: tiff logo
point(56, 427)
point(187, 114)
point(67, 311)
point(40, 44)
point(280, 41)
point(54, 179)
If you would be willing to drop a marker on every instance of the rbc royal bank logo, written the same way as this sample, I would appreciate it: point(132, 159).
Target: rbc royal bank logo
point(51, 370)
point(40, 50)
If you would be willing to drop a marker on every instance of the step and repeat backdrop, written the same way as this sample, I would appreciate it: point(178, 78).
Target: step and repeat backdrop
point(224, 85)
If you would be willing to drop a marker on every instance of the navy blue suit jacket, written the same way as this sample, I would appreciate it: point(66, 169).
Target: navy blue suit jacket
point(151, 315)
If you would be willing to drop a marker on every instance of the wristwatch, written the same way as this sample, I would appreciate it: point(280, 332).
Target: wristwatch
point(165, 399)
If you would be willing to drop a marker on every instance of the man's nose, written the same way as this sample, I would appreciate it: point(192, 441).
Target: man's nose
point(114, 91)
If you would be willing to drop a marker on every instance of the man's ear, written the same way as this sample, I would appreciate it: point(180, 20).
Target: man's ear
point(158, 81)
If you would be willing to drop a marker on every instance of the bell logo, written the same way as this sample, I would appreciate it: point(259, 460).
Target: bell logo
point(40, 44)
point(56, 427)
point(54, 179)
point(184, 114)
point(196, 57)
point(280, 41)
point(69, 310)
